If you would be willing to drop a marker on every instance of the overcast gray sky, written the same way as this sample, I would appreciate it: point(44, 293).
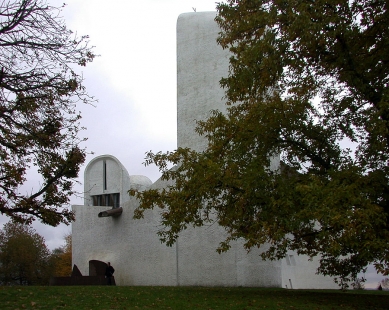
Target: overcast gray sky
point(134, 81)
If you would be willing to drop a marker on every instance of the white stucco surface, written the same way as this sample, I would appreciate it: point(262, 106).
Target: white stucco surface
point(117, 179)
point(201, 63)
point(132, 246)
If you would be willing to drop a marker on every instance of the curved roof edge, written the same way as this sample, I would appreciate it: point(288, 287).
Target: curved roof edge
point(102, 157)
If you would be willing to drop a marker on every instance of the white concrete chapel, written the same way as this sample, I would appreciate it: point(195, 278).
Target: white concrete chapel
point(132, 246)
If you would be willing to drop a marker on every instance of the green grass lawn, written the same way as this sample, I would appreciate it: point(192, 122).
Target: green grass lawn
point(127, 297)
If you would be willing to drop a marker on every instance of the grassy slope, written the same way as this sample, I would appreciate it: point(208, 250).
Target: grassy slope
point(103, 297)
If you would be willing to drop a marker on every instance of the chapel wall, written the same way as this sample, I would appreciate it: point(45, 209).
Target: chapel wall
point(132, 246)
point(201, 63)
point(105, 175)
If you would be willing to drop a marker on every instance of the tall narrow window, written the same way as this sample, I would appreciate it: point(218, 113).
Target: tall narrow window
point(116, 200)
point(104, 175)
point(107, 200)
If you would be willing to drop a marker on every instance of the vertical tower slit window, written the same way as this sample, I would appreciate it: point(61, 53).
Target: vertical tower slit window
point(104, 175)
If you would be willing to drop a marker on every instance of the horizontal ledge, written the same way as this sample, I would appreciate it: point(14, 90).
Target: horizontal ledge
point(112, 212)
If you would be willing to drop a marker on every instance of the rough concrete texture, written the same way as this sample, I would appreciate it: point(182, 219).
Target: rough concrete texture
point(132, 246)
point(201, 63)
point(116, 178)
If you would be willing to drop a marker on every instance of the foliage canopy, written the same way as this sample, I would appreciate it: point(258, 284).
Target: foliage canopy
point(24, 257)
point(39, 124)
point(308, 80)
point(62, 258)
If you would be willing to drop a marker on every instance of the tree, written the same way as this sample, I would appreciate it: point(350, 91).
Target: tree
point(39, 124)
point(308, 80)
point(62, 258)
point(24, 257)
point(385, 283)
point(359, 284)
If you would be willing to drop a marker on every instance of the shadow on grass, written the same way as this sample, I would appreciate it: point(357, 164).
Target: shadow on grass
point(103, 297)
